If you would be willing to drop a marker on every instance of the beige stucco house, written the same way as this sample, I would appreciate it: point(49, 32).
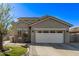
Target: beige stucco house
point(46, 29)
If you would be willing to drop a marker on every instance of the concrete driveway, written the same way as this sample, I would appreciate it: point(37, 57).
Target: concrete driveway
point(54, 50)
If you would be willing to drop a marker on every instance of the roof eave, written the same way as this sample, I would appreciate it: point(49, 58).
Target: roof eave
point(68, 24)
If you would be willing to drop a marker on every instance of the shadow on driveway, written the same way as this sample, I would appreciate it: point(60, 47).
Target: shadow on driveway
point(59, 46)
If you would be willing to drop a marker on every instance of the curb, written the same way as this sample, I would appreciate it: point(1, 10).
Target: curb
point(27, 53)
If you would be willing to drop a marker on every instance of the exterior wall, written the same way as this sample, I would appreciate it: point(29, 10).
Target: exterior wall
point(49, 28)
point(19, 27)
point(45, 24)
point(22, 25)
point(74, 37)
point(77, 35)
point(67, 37)
point(33, 37)
point(50, 24)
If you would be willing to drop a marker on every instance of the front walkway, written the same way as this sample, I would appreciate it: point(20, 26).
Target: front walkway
point(12, 44)
point(6, 42)
point(54, 50)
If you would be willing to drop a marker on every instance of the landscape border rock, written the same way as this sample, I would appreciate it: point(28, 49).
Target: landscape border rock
point(27, 53)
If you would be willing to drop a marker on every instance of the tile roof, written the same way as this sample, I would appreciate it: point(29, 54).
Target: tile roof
point(27, 20)
point(74, 30)
point(32, 20)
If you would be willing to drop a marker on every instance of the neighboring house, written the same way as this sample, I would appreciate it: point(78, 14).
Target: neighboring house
point(74, 34)
point(47, 29)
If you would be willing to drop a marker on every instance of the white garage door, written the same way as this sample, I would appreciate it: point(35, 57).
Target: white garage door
point(49, 37)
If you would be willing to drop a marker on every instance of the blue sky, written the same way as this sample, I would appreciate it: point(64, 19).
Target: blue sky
point(65, 11)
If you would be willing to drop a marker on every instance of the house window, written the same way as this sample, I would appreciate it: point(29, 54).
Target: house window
point(59, 31)
point(39, 31)
point(45, 31)
point(67, 31)
point(52, 31)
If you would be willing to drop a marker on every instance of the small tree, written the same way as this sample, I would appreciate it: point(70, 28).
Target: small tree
point(5, 21)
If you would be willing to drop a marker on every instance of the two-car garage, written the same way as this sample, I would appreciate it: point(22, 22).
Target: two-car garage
point(49, 36)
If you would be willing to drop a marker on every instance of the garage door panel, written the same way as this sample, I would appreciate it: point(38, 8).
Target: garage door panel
point(49, 37)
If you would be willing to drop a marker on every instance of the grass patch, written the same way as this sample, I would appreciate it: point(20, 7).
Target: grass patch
point(15, 51)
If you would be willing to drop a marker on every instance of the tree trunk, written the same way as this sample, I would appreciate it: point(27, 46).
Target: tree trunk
point(1, 42)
